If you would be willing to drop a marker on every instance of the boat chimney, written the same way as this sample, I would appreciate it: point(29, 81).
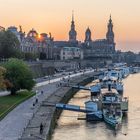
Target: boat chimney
point(109, 85)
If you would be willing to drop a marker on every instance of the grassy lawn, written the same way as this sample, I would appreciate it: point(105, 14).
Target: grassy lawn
point(8, 103)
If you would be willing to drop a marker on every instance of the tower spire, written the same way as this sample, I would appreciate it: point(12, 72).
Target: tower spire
point(110, 20)
point(88, 36)
point(110, 33)
point(72, 15)
point(72, 32)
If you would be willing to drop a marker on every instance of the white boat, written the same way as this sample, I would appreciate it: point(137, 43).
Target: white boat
point(114, 119)
point(119, 87)
point(111, 105)
point(123, 69)
point(136, 69)
point(113, 82)
point(114, 73)
point(95, 90)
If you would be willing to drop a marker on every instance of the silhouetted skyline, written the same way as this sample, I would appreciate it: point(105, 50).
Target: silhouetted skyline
point(55, 16)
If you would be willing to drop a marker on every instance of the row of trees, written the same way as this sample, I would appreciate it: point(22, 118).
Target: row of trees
point(15, 75)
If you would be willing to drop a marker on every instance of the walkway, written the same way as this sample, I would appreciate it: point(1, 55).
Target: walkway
point(13, 125)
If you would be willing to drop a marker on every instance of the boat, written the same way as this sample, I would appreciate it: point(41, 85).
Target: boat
point(111, 107)
point(95, 106)
point(113, 82)
point(136, 69)
point(123, 69)
point(92, 109)
point(119, 87)
point(95, 90)
point(112, 117)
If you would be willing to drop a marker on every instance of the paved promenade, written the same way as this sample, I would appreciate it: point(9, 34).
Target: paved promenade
point(14, 124)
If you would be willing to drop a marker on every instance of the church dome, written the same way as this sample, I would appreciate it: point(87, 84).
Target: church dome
point(32, 33)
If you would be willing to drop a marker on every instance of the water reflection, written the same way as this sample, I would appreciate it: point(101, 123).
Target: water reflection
point(69, 128)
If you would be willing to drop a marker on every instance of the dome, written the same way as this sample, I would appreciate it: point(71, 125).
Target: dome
point(32, 33)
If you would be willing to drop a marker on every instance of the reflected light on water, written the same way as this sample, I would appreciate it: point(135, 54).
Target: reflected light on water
point(69, 128)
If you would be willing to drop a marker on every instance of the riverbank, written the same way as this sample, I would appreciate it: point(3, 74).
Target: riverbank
point(48, 115)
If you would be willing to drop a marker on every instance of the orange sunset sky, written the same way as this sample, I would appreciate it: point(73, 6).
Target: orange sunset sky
point(55, 16)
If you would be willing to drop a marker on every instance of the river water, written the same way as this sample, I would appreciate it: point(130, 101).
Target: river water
point(69, 128)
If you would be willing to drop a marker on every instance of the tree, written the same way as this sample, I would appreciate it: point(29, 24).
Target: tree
point(30, 56)
point(2, 81)
point(9, 45)
point(19, 74)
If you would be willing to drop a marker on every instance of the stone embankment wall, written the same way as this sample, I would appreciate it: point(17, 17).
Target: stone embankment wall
point(48, 114)
point(42, 68)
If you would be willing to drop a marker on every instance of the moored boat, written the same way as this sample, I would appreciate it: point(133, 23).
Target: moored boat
point(113, 83)
point(111, 106)
point(113, 118)
point(95, 106)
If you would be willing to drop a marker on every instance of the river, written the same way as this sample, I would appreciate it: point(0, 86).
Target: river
point(69, 128)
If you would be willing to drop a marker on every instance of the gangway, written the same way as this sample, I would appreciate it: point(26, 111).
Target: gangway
point(95, 90)
point(73, 108)
point(92, 114)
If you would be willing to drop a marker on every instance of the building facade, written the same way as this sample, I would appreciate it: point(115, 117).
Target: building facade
point(69, 53)
point(100, 47)
point(40, 44)
point(72, 32)
point(44, 44)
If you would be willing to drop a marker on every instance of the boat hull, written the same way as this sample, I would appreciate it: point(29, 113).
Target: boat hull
point(94, 117)
point(114, 123)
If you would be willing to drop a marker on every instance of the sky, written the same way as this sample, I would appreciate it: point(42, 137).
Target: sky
point(55, 16)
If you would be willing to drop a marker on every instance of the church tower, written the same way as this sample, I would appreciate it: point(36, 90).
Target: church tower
point(72, 32)
point(88, 36)
point(110, 33)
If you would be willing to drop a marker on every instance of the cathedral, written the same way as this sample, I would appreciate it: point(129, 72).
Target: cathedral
point(91, 47)
point(106, 45)
point(101, 47)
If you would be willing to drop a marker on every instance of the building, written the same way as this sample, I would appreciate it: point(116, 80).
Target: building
point(88, 37)
point(72, 42)
point(44, 45)
point(100, 47)
point(15, 31)
point(2, 29)
point(67, 50)
point(72, 32)
point(41, 44)
point(69, 53)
